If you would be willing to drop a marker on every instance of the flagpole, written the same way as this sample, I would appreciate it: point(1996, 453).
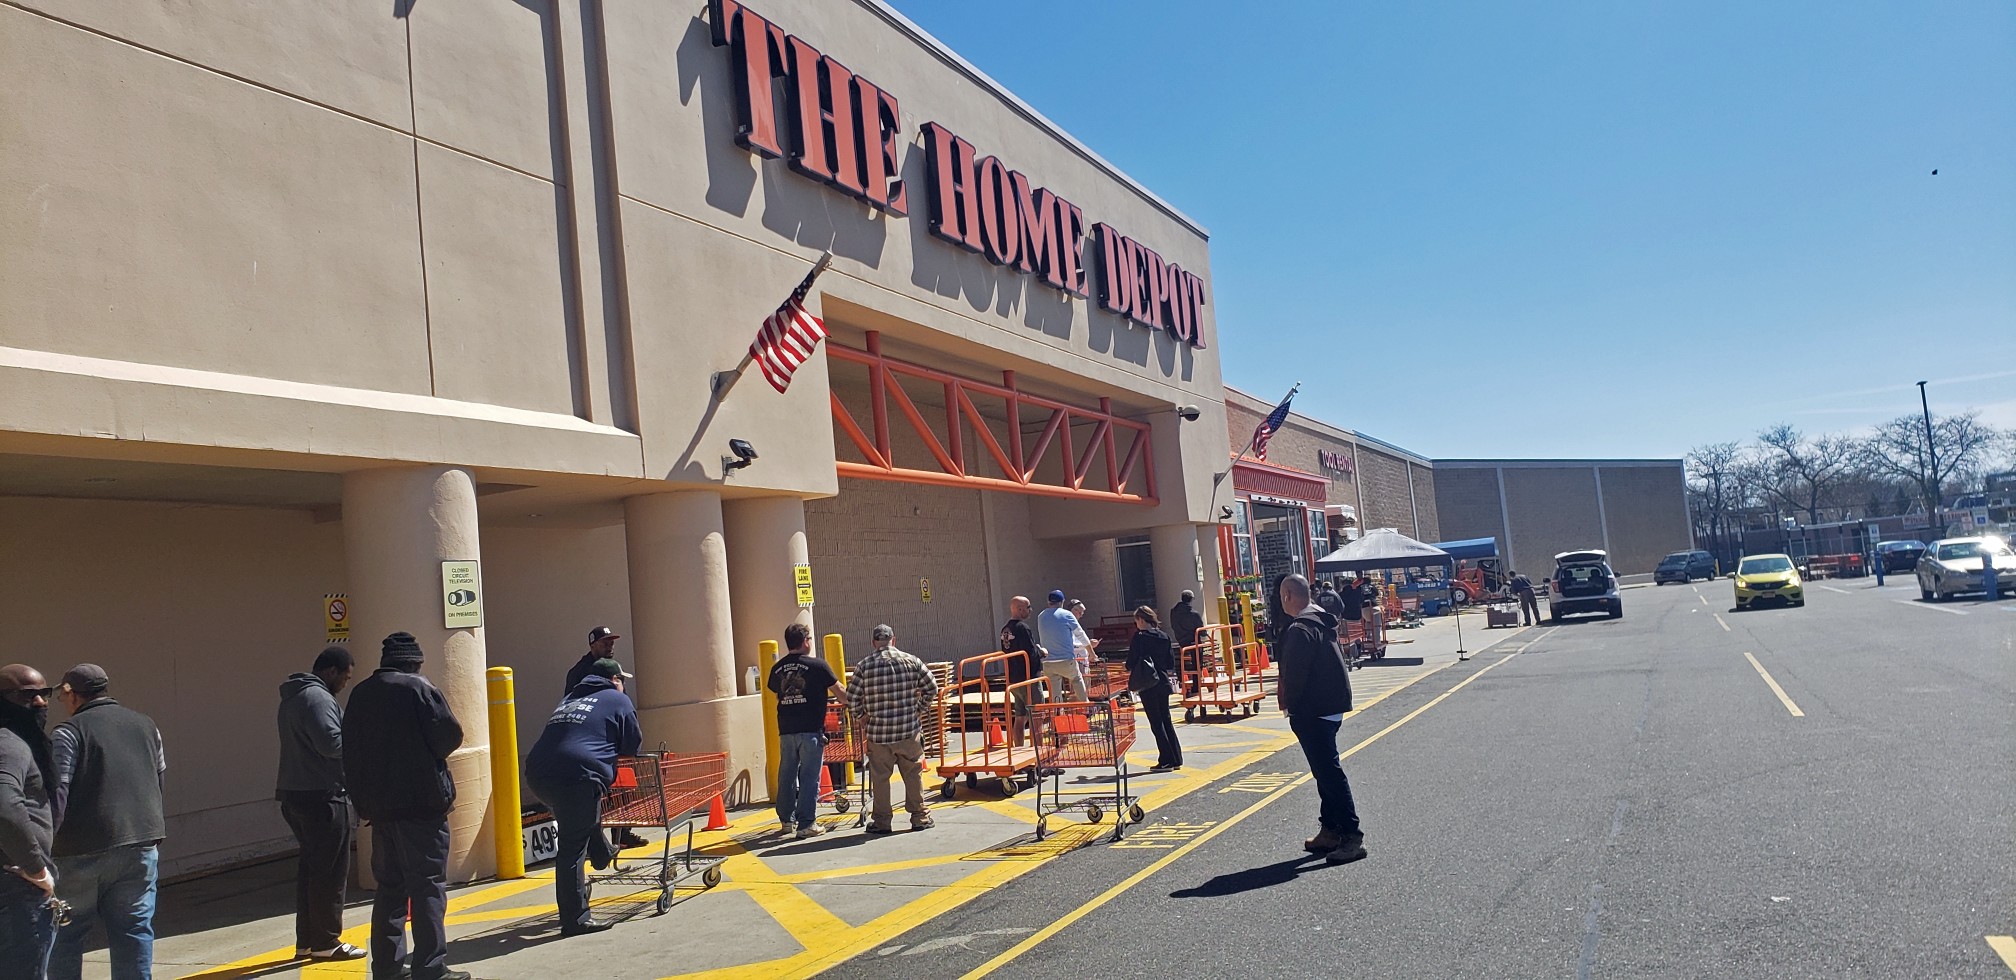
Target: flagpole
point(724, 380)
point(1236, 460)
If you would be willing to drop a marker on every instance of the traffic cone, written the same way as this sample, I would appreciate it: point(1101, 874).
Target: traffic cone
point(997, 736)
point(825, 782)
point(717, 815)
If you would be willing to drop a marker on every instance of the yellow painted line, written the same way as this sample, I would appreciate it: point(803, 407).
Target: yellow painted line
point(1724, 622)
point(2005, 947)
point(1775, 689)
point(807, 921)
point(1036, 939)
point(871, 869)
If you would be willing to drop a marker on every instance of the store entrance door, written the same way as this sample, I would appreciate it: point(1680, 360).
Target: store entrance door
point(1280, 541)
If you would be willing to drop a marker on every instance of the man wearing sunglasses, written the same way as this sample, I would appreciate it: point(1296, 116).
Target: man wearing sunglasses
point(27, 835)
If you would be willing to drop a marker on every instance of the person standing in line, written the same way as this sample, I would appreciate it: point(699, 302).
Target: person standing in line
point(570, 769)
point(314, 803)
point(109, 825)
point(1352, 595)
point(1315, 692)
point(1062, 637)
point(27, 826)
point(1150, 662)
point(1185, 620)
point(804, 685)
point(397, 735)
point(892, 691)
point(1025, 660)
point(1331, 602)
point(1529, 604)
point(601, 646)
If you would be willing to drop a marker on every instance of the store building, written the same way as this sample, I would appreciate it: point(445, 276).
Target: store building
point(1319, 487)
point(1635, 509)
point(422, 305)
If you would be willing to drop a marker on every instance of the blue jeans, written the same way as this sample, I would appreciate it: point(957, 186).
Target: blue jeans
point(1339, 812)
point(27, 927)
point(116, 885)
point(799, 756)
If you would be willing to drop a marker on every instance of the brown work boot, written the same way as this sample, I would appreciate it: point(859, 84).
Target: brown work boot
point(1325, 841)
point(1348, 849)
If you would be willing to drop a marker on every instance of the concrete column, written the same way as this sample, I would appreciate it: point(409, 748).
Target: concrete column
point(1179, 557)
point(684, 644)
point(399, 525)
point(766, 536)
point(1214, 573)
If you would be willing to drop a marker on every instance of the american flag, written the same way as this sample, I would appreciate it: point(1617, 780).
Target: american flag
point(1269, 425)
point(788, 336)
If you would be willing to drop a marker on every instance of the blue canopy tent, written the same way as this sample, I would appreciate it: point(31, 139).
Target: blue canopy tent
point(1470, 548)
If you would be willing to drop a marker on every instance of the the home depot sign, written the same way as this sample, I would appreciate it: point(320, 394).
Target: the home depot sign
point(841, 129)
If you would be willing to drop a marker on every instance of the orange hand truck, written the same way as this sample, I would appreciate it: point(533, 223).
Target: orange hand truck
point(975, 717)
point(663, 791)
point(1085, 735)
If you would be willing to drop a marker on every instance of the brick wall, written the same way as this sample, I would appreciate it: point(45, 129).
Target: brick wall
point(1294, 447)
point(1386, 501)
point(1553, 509)
point(1424, 502)
point(1466, 501)
point(1646, 510)
point(871, 544)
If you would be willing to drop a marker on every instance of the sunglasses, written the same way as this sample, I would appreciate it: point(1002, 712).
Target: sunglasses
point(30, 693)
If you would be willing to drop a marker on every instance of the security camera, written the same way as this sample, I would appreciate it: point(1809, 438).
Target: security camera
point(744, 455)
point(1188, 413)
point(1224, 513)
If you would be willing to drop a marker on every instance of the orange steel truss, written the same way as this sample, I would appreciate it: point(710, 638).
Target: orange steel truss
point(1099, 469)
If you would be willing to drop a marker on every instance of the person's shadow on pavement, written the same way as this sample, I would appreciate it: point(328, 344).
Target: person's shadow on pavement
point(1252, 879)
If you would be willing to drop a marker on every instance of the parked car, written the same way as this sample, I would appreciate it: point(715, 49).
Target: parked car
point(1767, 579)
point(1953, 565)
point(1684, 567)
point(1900, 556)
point(1584, 583)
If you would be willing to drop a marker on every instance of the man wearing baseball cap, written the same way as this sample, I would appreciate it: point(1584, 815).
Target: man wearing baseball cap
point(570, 770)
point(107, 805)
point(601, 646)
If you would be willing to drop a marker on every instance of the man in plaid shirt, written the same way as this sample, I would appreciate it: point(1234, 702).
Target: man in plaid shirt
point(891, 692)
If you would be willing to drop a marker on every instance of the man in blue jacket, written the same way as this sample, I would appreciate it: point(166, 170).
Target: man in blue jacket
point(570, 769)
point(397, 735)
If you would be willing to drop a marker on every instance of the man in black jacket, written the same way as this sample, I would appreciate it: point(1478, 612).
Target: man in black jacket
point(1185, 620)
point(310, 791)
point(27, 829)
point(1315, 692)
point(109, 825)
point(570, 769)
point(397, 735)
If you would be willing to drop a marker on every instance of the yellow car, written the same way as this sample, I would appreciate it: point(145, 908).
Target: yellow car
point(1764, 579)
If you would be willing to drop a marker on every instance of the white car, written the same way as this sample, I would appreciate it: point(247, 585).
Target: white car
point(1953, 565)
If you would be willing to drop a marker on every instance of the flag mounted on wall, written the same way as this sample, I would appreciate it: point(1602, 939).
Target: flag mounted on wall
point(1270, 425)
point(790, 335)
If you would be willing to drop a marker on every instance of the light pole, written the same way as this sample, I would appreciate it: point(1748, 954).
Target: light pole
point(1937, 528)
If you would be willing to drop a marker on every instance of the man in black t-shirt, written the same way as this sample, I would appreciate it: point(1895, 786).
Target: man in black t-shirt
point(1016, 638)
point(803, 684)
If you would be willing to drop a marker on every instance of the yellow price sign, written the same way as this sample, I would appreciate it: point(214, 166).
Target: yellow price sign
point(801, 575)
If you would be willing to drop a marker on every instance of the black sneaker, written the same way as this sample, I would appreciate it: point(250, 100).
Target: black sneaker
point(873, 829)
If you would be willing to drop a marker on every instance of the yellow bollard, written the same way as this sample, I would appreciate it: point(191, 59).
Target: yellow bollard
point(766, 658)
point(836, 658)
point(506, 803)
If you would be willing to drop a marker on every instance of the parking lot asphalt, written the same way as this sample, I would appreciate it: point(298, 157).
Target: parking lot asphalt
point(1818, 792)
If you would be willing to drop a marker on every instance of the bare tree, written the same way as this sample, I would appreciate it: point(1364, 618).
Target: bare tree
point(1961, 445)
point(1804, 473)
point(1711, 477)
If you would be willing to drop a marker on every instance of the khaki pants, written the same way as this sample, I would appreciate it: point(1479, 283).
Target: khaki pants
point(1065, 674)
point(907, 756)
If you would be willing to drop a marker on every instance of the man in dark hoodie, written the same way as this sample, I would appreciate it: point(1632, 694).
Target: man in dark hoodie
point(1315, 692)
point(1185, 620)
point(27, 829)
point(311, 795)
point(397, 735)
point(570, 768)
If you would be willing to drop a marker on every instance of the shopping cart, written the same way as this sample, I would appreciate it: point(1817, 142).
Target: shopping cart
point(845, 746)
point(1080, 735)
point(663, 791)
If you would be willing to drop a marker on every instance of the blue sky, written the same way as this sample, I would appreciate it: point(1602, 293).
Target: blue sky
point(1700, 218)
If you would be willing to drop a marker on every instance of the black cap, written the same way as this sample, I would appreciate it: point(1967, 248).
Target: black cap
point(603, 633)
point(86, 679)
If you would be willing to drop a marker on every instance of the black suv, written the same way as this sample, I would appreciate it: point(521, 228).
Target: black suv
point(1584, 583)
